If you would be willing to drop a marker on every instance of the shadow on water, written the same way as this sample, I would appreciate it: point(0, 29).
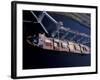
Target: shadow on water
point(38, 58)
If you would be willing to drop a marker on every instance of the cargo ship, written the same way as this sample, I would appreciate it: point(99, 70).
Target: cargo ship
point(54, 44)
point(52, 40)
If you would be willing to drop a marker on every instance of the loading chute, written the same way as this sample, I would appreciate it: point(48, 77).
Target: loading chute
point(84, 39)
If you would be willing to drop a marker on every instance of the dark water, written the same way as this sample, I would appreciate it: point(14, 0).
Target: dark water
point(37, 58)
